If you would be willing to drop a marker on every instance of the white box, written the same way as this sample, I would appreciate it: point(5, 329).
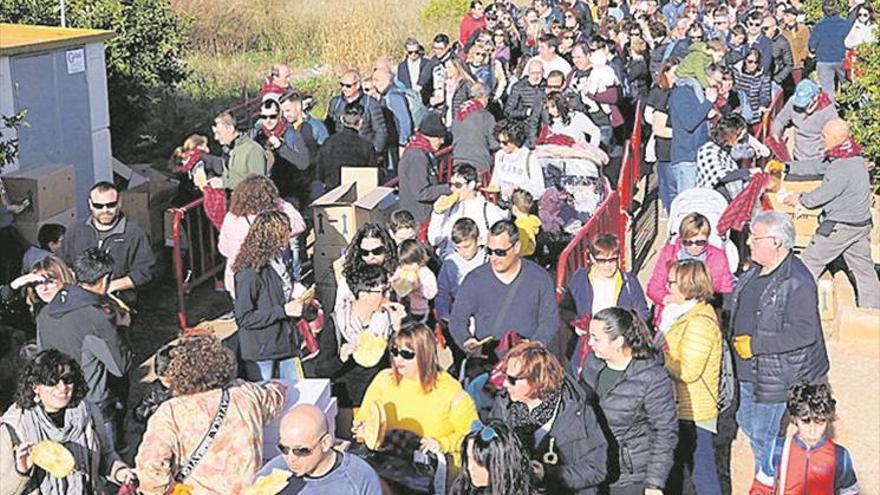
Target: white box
point(314, 391)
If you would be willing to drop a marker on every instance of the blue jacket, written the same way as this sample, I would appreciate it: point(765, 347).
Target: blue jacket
point(672, 11)
point(826, 39)
point(689, 111)
point(765, 46)
point(395, 101)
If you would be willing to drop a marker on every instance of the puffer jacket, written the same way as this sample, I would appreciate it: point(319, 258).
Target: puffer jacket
point(639, 419)
point(784, 354)
point(373, 127)
point(783, 60)
point(693, 358)
point(578, 441)
point(525, 103)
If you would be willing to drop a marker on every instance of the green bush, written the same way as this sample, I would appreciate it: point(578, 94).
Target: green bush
point(436, 11)
point(146, 54)
point(860, 102)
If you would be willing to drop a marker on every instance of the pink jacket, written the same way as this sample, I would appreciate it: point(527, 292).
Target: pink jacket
point(235, 229)
point(716, 262)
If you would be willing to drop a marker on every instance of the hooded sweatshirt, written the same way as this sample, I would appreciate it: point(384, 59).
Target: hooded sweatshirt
point(82, 325)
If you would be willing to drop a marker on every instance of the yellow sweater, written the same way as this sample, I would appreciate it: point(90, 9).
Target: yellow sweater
point(444, 414)
point(529, 226)
point(693, 358)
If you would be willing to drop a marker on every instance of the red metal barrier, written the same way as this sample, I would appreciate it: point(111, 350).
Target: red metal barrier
point(631, 166)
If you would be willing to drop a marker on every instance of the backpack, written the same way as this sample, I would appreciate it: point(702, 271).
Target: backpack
point(417, 108)
point(727, 380)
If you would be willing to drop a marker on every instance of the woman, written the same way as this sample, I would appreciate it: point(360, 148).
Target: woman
point(571, 123)
point(550, 413)
point(570, 22)
point(371, 245)
point(502, 44)
point(755, 86)
point(692, 348)
point(46, 278)
point(50, 405)
point(515, 167)
point(637, 69)
point(494, 462)
point(692, 242)
point(566, 44)
point(728, 101)
point(253, 196)
point(420, 397)
point(660, 143)
point(634, 394)
point(601, 94)
point(863, 30)
point(458, 83)
point(716, 168)
point(201, 377)
point(194, 166)
point(264, 300)
point(597, 287)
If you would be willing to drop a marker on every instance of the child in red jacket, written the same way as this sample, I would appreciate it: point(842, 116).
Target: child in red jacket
point(808, 462)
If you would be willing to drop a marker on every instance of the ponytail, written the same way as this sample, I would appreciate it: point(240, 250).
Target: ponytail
point(627, 323)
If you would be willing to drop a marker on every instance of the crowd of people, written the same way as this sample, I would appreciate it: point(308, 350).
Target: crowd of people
point(489, 378)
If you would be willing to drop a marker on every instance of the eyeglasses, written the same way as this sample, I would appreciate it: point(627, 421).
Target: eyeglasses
point(299, 451)
point(487, 433)
point(274, 116)
point(66, 379)
point(413, 52)
point(457, 185)
point(754, 24)
point(439, 48)
point(104, 206)
point(512, 380)
point(347, 85)
point(498, 251)
point(695, 242)
point(670, 283)
point(503, 142)
point(751, 61)
point(377, 251)
point(768, 28)
point(758, 238)
point(569, 16)
point(402, 353)
point(605, 261)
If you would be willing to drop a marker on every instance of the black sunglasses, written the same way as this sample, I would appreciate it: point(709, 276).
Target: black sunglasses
point(413, 52)
point(403, 353)
point(605, 261)
point(498, 251)
point(347, 85)
point(67, 379)
point(299, 451)
point(104, 206)
point(513, 379)
point(698, 242)
point(378, 251)
point(274, 116)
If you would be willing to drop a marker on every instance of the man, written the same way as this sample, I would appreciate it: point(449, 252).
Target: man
point(306, 445)
point(414, 71)
point(507, 294)
point(673, 10)
point(778, 339)
point(550, 60)
point(276, 134)
point(82, 324)
point(845, 199)
point(346, 148)
point(278, 81)
point(548, 14)
point(526, 100)
point(472, 22)
point(470, 203)
point(808, 110)
point(798, 36)
point(396, 113)
point(827, 44)
point(373, 123)
point(419, 186)
point(755, 39)
point(108, 229)
point(436, 88)
point(245, 157)
point(473, 139)
point(781, 58)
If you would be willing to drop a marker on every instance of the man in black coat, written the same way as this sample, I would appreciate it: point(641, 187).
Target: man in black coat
point(419, 186)
point(526, 100)
point(346, 148)
point(373, 126)
point(415, 71)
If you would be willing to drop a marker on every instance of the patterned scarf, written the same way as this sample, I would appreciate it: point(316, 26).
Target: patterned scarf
point(194, 157)
point(420, 142)
point(467, 108)
point(847, 149)
point(277, 131)
point(528, 422)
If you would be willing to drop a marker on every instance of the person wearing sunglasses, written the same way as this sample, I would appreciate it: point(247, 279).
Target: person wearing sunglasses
point(601, 285)
point(494, 462)
point(508, 294)
point(51, 404)
point(863, 29)
point(306, 450)
point(629, 385)
point(692, 242)
point(515, 167)
point(414, 71)
point(781, 58)
point(371, 245)
point(753, 82)
point(39, 286)
point(691, 343)
point(755, 39)
point(351, 92)
point(553, 419)
point(287, 147)
point(109, 229)
point(419, 396)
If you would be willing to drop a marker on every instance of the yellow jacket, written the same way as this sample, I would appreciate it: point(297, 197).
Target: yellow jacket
point(444, 414)
point(693, 358)
point(529, 226)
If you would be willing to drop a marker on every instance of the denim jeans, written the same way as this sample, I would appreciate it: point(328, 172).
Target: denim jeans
point(759, 421)
point(666, 179)
point(828, 72)
point(694, 462)
point(684, 177)
point(286, 369)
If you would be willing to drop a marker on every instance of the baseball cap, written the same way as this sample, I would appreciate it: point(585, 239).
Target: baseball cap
point(804, 93)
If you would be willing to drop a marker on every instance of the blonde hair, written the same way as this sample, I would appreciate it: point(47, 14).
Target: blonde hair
point(694, 224)
point(191, 143)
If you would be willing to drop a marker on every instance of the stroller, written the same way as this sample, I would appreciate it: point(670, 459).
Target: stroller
point(711, 204)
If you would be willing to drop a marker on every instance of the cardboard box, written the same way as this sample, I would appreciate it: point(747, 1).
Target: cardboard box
point(358, 200)
point(827, 300)
point(324, 259)
point(30, 230)
point(50, 188)
point(805, 221)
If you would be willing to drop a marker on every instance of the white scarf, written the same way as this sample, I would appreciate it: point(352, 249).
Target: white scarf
point(672, 312)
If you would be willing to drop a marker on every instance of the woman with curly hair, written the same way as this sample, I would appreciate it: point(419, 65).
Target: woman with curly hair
point(494, 462)
point(264, 302)
point(206, 398)
point(253, 196)
point(49, 405)
point(371, 245)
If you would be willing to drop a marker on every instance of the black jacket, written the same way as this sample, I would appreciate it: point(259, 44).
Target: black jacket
point(419, 186)
point(373, 126)
point(526, 102)
point(343, 149)
point(291, 171)
point(82, 325)
point(473, 140)
point(264, 329)
point(639, 417)
point(579, 442)
point(786, 350)
point(783, 61)
point(128, 244)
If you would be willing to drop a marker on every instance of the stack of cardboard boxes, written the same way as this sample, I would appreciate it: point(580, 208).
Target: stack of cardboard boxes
point(51, 191)
point(338, 215)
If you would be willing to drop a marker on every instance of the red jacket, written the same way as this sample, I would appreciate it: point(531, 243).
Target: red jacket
point(795, 469)
point(469, 25)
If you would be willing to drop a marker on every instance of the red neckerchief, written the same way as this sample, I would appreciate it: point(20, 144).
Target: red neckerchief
point(847, 149)
point(548, 137)
point(191, 161)
point(824, 101)
point(277, 131)
point(467, 108)
point(420, 142)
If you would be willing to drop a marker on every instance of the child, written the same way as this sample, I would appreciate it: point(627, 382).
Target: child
point(521, 204)
point(403, 226)
point(413, 280)
point(468, 255)
point(808, 462)
point(159, 391)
